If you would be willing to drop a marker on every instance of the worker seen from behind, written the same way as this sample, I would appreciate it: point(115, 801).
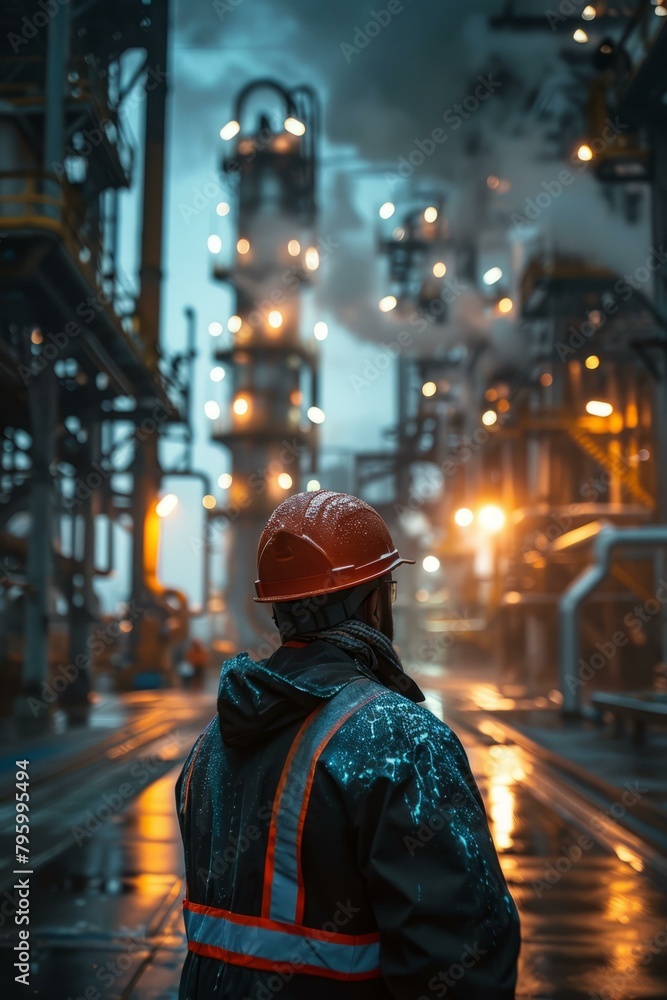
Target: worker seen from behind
point(335, 840)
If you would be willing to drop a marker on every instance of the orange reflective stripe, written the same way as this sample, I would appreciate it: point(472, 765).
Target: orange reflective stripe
point(270, 945)
point(301, 892)
point(283, 895)
point(269, 864)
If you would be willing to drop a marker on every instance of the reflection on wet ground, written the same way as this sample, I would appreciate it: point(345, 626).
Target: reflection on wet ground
point(106, 915)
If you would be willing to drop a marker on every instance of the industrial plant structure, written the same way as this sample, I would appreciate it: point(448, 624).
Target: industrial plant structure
point(269, 422)
point(85, 391)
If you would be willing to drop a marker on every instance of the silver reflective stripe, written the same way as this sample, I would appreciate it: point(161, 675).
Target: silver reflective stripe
point(268, 945)
point(285, 883)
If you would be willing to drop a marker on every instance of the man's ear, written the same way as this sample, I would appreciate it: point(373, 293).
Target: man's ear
point(371, 608)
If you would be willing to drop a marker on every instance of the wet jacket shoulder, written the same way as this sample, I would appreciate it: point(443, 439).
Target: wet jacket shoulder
point(424, 850)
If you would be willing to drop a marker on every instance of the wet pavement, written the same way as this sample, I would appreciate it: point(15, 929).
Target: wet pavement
point(106, 911)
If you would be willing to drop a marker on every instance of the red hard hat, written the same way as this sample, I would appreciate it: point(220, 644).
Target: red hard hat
point(320, 542)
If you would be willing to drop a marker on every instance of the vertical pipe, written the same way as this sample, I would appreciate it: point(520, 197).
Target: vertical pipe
point(659, 214)
point(146, 469)
point(56, 72)
point(42, 396)
point(191, 354)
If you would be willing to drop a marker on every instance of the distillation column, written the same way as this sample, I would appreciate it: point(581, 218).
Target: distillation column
point(269, 421)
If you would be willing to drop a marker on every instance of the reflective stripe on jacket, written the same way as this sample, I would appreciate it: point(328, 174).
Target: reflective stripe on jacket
point(278, 937)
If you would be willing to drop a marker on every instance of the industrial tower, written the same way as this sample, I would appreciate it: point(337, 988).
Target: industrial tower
point(269, 421)
point(85, 389)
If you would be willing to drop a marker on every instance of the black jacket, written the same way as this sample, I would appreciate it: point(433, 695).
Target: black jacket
point(395, 838)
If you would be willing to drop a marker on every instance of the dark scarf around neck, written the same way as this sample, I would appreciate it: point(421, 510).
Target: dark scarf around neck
point(375, 652)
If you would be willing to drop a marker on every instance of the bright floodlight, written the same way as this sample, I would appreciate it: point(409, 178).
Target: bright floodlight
point(585, 153)
point(313, 484)
point(294, 248)
point(320, 331)
point(214, 243)
point(489, 418)
point(224, 481)
point(387, 303)
point(234, 324)
point(284, 480)
point(312, 259)
point(217, 374)
point(431, 564)
point(387, 210)
point(208, 501)
point(211, 409)
point(294, 126)
point(229, 130)
point(588, 13)
point(316, 415)
point(440, 269)
point(215, 328)
point(222, 208)
point(580, 36)
point(491, 518)
point(493, 275)
point(463, 517)
point(429, 389)
point(165, 506)
point(430, 213)
point(275, 319)
point(243, 245)
point(240, 406)
point(598, 408)
point(592, 362)
point(505, 306)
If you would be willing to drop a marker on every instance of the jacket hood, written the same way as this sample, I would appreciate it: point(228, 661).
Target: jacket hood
point(256, 699)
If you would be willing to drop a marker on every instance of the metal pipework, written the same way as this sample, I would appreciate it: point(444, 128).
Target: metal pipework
point(608, 539)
